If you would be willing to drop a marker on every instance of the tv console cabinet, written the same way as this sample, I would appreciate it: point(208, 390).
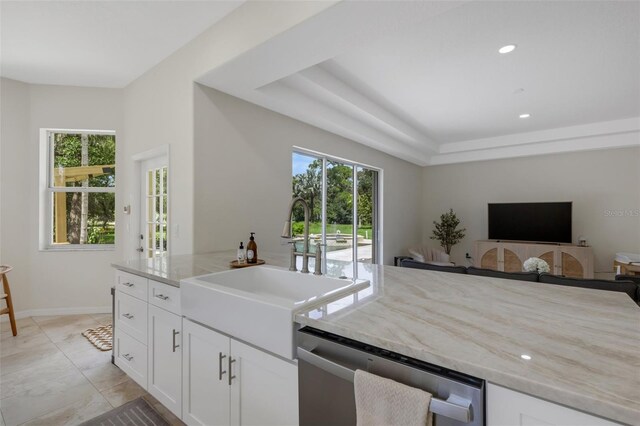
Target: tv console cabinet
point(508, 256)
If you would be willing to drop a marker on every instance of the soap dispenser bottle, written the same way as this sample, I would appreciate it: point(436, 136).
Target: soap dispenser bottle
point(252, 250)
point(241, 259)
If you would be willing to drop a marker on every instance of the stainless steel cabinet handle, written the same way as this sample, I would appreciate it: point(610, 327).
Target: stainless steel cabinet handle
point(127, 316)
point(127, 284)
point(231, 361)
point(175, 333)
point(220, 372)
point(454, 407)
point(162, 296)
point(127, 357)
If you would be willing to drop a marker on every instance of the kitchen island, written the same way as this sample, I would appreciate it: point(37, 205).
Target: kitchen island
point(576, 347)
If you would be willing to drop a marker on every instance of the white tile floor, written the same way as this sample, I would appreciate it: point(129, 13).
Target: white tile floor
point(51, 375)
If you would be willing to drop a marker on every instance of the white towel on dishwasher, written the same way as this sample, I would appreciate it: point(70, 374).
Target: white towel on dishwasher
point(384, 402)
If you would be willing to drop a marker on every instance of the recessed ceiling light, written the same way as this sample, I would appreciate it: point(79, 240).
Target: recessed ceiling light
point(524, 115)
point(525, 356)
point(506, 49)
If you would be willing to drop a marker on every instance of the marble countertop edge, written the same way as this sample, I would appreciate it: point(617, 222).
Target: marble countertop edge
point(124, 268)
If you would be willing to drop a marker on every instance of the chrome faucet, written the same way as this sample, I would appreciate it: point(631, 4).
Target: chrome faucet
point(286, 233)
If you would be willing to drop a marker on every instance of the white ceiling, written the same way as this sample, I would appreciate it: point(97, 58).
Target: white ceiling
point(97, 43)
point(423, 80)
point(577, 64)
point(420, 80)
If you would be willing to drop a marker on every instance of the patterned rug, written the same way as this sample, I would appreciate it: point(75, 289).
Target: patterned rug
point(134, 413)
point(101, 337)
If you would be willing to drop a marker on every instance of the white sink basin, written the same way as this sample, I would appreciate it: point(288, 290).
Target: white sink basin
point(257, 304)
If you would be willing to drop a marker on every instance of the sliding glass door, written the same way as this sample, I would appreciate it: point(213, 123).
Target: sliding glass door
point(343, 198)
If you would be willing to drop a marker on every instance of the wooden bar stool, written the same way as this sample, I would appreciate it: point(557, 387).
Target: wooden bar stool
point(7, 297)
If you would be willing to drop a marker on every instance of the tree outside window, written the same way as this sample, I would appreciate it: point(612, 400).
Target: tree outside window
point(81, 188)
point(341, 228)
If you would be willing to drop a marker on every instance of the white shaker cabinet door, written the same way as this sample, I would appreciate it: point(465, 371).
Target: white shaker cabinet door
point(506, 407)
point(205, 383)
point(165, 358)
point(265, 388)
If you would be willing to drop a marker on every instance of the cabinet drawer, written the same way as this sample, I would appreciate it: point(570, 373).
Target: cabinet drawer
point(131, 316)
point(164, 296)
point(131, 357)
point(131, 284)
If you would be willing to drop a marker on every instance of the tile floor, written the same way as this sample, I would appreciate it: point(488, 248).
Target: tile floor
point(51, 375)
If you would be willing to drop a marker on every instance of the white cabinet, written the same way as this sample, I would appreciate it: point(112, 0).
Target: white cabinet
point(131, 316)
point(165, 358)
point(131, 356)
point(265, 390)
point(202, 376)
point(130, 334)
point(144, 336)
point(510, 408)
point(132, 285)
point(164, 296)
point(205, 376)
point(226, 382)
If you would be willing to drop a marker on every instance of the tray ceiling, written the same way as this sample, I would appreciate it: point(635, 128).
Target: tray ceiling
point(424, 81)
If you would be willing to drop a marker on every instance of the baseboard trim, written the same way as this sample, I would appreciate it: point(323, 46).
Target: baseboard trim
point(59, 311)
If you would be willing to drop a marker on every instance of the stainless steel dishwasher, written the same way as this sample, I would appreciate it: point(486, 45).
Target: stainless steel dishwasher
point(326, 365)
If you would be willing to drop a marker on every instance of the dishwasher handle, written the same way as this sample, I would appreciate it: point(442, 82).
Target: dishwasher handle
point(455, 407)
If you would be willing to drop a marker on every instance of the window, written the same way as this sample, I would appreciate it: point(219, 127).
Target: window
point(343, 199)
point(155, 221)
point(78, 208)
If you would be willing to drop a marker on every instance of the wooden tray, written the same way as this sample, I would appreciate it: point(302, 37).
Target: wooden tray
point(235, 264)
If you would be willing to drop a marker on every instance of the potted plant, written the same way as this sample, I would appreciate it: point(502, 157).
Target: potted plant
point(446, 232)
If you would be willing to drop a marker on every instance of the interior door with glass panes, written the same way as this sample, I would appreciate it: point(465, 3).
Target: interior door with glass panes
point(154, 217)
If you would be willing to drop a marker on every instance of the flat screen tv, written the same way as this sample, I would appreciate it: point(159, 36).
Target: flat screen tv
point(537, 222)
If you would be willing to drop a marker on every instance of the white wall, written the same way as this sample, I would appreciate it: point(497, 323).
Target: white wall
point(243, 175)
point(15, 198)
point(595, 181)
point(64, 281)
point(155, 110)
point(158, 106)
point(219, 143)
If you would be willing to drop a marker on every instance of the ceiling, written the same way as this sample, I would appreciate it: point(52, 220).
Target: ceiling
point(424, 81)
point(576, 65)
point(97, 43)
point(419, 80)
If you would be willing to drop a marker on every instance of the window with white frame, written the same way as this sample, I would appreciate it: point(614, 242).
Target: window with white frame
point(78, 206)
point(344, 199)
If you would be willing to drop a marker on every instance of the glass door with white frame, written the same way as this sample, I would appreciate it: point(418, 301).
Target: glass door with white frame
point(343, 197)
point(154, 217)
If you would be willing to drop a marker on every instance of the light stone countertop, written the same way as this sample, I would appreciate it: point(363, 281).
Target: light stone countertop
point(170, 270)
point(584, 344)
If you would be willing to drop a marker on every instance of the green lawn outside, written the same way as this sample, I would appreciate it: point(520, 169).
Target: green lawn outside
point(100, 235)
point(316, 228)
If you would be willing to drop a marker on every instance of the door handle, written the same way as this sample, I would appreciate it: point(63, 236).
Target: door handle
point(127, 316)
point(175, 333)
point(162, 296)
point(231, 361)
point(220, 372)
point(127, 357)
point(127, 284)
